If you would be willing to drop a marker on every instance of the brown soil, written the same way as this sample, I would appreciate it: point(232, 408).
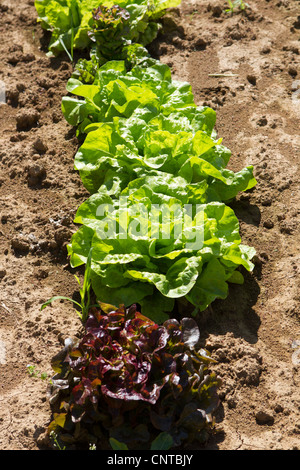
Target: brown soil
point(255, 333)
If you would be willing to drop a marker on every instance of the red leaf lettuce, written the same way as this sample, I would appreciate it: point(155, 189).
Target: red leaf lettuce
point(130, 379)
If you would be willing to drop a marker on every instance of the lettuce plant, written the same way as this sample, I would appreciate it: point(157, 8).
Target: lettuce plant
point(140, 256)
point(116, 153)
point(131, 380)
point(68, 21)
point(144, 92)
point(140, 122)
point(75, 24)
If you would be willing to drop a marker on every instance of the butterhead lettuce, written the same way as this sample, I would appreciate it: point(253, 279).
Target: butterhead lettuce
point(138, 254)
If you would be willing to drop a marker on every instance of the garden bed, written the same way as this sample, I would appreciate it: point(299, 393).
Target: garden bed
point(254, 334)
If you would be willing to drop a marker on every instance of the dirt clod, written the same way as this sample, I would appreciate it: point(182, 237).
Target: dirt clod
point(36, 174)
point(268, 223)
point(40, 146)
point(27, 118)
point(264, 417)
point(251, 79)
point(2, 272)
point(20, 245)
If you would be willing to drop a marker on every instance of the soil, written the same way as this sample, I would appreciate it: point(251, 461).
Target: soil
point(255, 333)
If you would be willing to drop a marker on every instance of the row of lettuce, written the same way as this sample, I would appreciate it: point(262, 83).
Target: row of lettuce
point(156, 232)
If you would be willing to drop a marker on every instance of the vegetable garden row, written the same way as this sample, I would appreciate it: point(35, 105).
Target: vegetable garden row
point(157, 237)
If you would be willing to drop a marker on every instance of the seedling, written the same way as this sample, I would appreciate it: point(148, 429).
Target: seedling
point(33, 372)
point(236, 4)
point(84, 291)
